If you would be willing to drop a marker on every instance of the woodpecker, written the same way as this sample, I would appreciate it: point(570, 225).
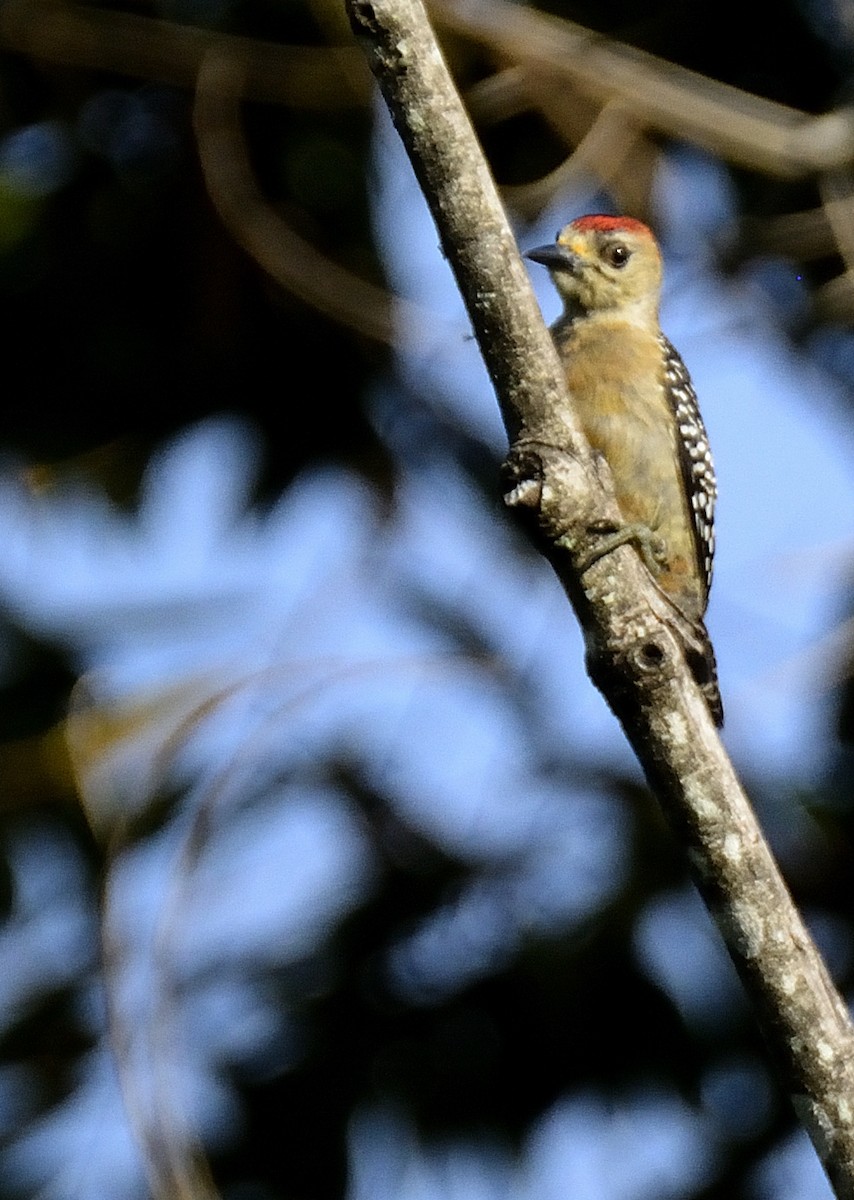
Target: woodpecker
point(639, 410)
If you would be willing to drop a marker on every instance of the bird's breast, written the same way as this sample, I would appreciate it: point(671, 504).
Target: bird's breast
point(616, 377)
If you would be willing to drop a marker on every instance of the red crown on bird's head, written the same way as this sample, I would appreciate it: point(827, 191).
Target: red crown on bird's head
point(600, 223)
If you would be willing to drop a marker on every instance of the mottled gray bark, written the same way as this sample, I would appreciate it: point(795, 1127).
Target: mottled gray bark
point(633, 654)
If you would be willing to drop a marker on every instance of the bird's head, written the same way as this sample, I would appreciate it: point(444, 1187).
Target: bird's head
point(601, 263)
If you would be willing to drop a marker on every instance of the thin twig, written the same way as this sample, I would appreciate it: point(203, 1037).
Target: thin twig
point(293, 262)
point(563, 70)
point(633, 656)
point(602, 153)
point(313, 77)
point(749, 130)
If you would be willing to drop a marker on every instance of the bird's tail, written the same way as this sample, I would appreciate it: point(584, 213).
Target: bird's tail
point(700, 655)
point(699, 652)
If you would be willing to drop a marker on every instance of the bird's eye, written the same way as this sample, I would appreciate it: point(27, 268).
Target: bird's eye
point(617, 254)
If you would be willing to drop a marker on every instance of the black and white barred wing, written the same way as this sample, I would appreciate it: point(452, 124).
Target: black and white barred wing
point(695, 455)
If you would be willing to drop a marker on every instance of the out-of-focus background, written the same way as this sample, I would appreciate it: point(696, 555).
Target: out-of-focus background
point(324, 871)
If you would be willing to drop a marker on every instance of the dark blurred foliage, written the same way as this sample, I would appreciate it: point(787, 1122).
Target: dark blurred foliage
point(129, 312)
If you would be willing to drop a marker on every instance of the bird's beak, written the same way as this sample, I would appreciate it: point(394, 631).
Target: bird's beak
point(555, 257)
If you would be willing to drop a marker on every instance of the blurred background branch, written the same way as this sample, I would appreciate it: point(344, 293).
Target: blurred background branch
point(540, 63)
point(80, 35)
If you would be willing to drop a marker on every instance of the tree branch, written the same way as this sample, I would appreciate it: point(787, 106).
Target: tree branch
point(633, 655)
point(747, 129)
point(313, 77)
